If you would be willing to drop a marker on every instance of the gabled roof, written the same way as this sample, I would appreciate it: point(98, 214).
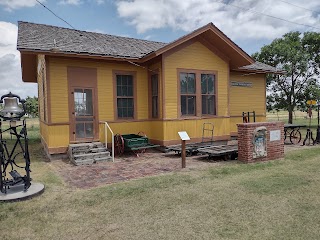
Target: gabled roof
point(215, 37)
point(260, 67)
point(40, 37)
point(33, 38)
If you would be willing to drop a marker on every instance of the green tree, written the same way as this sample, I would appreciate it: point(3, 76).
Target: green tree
point(32, 106)
point(298, 55)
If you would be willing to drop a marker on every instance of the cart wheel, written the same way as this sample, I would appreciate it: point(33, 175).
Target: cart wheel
point(295, 136)
point(118, 145)
point(142, 134)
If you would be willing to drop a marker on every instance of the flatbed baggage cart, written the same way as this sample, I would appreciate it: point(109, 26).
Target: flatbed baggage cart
point(225, 151)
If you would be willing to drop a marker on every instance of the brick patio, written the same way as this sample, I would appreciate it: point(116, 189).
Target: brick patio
point(130, 167)
point(125, 168)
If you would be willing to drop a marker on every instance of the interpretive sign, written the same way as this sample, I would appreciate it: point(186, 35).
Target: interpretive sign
point(184, 135)
point(241, 84)
point(275, 135)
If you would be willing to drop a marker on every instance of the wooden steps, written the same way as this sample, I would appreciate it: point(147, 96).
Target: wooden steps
point(88, 153)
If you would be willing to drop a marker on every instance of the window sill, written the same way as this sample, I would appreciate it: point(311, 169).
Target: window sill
point(184, 117)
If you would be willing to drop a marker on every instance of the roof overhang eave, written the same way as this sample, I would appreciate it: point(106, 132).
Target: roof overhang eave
point(256, 71)
point(74, 54)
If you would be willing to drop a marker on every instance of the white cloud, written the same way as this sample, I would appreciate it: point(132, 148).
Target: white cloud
point(232, 17)
point(15, 4)
point(10, 68)
point(78, 2)
point(70, 2)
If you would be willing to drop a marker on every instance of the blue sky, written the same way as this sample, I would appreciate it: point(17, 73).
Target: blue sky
point(158, 20)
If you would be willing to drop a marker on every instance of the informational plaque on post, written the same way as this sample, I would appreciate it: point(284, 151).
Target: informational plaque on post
point(184, 135)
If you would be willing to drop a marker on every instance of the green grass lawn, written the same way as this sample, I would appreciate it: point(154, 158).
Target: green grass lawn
point(273, 200)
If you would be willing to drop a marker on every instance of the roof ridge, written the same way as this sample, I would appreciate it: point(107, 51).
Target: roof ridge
point(91, 32)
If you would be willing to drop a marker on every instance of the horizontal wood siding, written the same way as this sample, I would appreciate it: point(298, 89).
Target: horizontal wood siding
point(58, 136)
point(248, 99)
point(153, 129)
point(44, 132)
point(58, 91)
point(195, 56)
point(194, 128)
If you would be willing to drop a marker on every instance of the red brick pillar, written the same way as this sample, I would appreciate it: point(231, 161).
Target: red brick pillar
point(274, 141)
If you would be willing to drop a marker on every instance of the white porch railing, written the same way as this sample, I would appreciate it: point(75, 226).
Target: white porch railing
point(106, 127)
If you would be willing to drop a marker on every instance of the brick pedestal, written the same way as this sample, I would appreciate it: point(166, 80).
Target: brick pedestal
point(275, 147)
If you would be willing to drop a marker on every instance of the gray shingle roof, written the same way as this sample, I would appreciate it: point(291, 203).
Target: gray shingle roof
point(259, 66)
point(42, 37)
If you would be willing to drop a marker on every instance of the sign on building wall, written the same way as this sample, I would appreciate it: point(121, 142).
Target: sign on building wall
point(241, 84)
point(275, 135)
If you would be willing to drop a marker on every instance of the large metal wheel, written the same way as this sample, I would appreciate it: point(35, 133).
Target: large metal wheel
point(118, 145)
point(295, 136)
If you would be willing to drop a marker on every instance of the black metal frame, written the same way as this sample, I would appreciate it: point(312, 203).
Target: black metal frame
point(8, 157)
point(246, 116)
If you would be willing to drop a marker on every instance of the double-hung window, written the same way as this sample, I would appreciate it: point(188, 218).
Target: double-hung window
point(125, 96)
point(188, 93)
point(197, 93)
point(208, 99)
point(154, 95)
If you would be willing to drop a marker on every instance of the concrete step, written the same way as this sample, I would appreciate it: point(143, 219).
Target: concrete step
point(103, 159)
point(94, 150)
point(88, 153)
point(91, 155)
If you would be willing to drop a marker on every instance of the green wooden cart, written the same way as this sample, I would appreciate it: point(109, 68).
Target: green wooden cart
point(136, 143)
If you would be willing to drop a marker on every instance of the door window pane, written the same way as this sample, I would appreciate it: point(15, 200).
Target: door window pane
point(80, 130)
point(83, 113)
point(89, 129)
point(83, 105)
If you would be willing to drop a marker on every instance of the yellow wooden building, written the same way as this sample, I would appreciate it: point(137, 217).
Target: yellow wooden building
point(85, 79)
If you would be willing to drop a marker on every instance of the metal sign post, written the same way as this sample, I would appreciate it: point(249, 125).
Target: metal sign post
point(184, 137)
point(309, 138)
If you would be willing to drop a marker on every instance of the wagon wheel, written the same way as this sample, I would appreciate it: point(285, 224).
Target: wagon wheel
point(295, 136)
point(118, 144)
